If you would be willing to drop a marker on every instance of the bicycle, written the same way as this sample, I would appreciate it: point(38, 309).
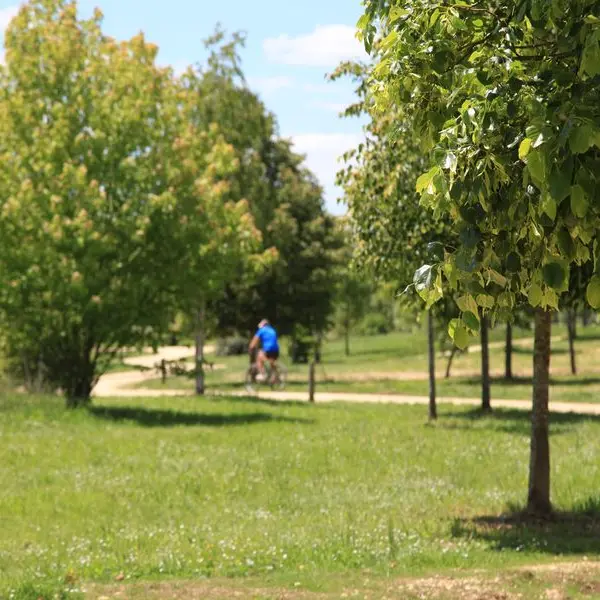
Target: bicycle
point(275, 376)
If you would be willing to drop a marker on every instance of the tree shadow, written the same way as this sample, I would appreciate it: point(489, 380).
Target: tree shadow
point(223, 397)
point(172, 418)
point(513, 421)
point(528, 380)
point(573, 532)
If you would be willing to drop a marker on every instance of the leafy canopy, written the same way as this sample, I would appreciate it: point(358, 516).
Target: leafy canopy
point(504, 99)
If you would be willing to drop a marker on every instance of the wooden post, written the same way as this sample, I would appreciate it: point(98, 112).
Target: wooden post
point(311, 382)
point(163, 370)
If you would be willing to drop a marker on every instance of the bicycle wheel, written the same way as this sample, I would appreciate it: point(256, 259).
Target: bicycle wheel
point(250, 382)
point(278, 377)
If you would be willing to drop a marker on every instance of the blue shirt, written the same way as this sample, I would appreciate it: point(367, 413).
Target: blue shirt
point(268, 338)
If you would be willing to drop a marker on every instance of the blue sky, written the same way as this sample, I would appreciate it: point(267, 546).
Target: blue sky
point(291, 45)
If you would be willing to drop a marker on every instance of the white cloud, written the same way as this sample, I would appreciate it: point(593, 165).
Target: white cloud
point(269, 85)
point(336, 107)
point(323, 152)
point(326, 46)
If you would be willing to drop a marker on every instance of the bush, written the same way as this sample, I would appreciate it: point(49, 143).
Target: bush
point(235, 346)
point(375, 324)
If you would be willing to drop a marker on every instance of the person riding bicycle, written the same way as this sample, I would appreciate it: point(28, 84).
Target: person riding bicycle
point(266, 336)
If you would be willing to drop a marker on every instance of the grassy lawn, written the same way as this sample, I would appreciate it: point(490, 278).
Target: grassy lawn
point(373, 358)
point(291, 496)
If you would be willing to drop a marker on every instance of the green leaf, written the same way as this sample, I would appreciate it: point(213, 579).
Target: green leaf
point(549, 206)
point(423, 278)
point(436, 250)
point(581, 139)
point(497, 278)
point(470, 237)
point(461, 336)
point(425, 181)
point(535, 295)
point(566, 244)
point(536, 165)
point(560, 185)
point(590, 59)
point(513, 262)
point(485, 301)
point(554, 275)
point(471, 320)
point(579, 202)
point(592, 293)
point(467, 304)
point(524, 148)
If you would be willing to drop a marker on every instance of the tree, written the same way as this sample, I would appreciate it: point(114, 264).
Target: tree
point(118, 210)
point(215, 237)
point(395, 234)
point(83, 264)
point(504, 99)
point(284, 199)
point(574, 301)
point(296, 292)
point(353, 292)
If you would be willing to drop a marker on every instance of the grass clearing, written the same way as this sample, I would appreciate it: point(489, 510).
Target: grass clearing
point(184, 489)
point(385, 364)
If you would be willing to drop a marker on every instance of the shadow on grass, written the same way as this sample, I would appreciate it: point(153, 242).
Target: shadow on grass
point(513, 421)
point(170, 418)
point(564, 380)
point(223, 397)
point(573, 532)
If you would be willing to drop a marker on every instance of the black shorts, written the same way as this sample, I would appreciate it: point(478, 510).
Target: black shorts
point(272, 354)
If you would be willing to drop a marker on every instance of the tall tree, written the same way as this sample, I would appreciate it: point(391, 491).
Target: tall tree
point(504, 99)
point(353, 293)
point(83, 265)
point(395, 234)
point(284, 199)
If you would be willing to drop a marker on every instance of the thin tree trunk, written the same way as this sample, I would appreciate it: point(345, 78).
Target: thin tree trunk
point(538, 500)
point(449, 365)
point(508, 374)
point(347, 337)
point(200, 324)
point(485, 367)
point(571, 328)
point(431, 344)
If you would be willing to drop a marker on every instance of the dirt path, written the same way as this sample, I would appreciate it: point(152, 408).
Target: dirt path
point(121, 382)
point(553, 581)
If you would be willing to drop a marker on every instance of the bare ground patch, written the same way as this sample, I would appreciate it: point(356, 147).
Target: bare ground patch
point(551, 581)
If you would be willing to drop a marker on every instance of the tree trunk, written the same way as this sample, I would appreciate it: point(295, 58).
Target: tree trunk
point(538, 500)
point(449, 365)
point(485, 367)
point(571, 328)
point(508, 374)
point(431, 344)
point(200, 324)
point(347, 337)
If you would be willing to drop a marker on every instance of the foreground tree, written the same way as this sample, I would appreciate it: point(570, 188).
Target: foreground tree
point(94, 213)
point(395, 235)
point(504, 99)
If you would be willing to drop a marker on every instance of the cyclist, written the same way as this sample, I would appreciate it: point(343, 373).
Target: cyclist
point(266, 336)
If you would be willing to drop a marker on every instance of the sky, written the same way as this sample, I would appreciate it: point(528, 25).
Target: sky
point(290, 48)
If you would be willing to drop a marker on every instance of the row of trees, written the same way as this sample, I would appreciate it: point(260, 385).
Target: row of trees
point(492, 114)
point(129, 194)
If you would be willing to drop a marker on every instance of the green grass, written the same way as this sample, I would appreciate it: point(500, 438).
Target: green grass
point(364, 371)
point(183, 488)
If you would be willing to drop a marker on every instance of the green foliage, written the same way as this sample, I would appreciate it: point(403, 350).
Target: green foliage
point(503, 99)
point(83, 193)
